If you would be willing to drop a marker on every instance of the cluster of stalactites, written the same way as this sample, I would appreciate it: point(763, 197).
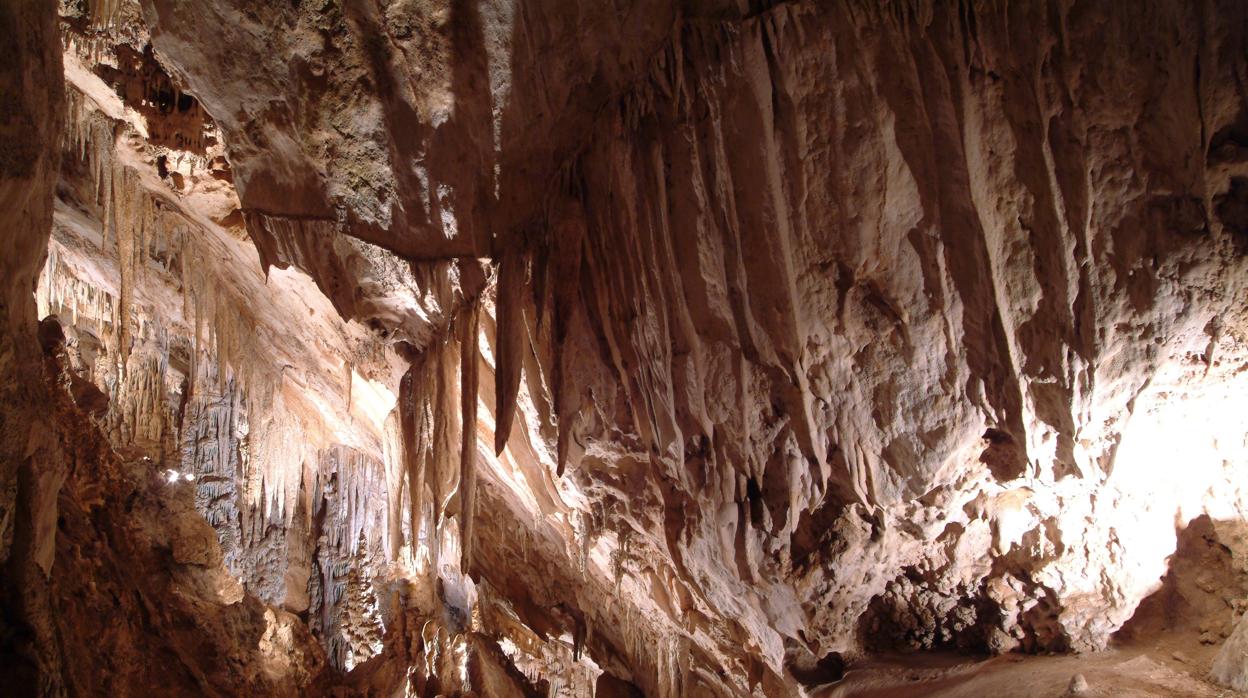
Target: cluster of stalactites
point(433, 440)
point(132, 224)
point(76, 302)
point(92, 50)
point(358, 479)
point(131, 218)
point(147, 234)
point(104, 13)
point(344, 609)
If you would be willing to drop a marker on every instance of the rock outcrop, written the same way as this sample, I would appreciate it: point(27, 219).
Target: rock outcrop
point(701, 348)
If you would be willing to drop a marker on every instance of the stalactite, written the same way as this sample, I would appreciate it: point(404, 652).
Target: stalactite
point(104, 12)
point(511, 340)
point(578, 639)
point(348, 371)
point(445, 475)
point(469, 362)
point(395, 469)
point(416, 424)
point(585, 535)
point(621, 555)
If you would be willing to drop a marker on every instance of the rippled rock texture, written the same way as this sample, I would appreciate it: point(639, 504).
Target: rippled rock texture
point(692, 348)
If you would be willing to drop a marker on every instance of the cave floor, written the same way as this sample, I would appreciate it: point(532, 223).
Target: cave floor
point(1168, 665)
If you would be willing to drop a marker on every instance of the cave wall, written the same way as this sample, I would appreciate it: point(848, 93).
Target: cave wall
point(685, 346)
point(843, 325)
point(31, 466)
point(937, 263)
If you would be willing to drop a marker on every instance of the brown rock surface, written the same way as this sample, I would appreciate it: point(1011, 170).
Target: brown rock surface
point(698, 348)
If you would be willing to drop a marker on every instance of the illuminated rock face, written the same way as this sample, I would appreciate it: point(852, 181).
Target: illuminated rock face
point(683, 349)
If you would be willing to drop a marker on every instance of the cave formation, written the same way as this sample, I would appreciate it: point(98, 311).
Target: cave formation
point(634, 348)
